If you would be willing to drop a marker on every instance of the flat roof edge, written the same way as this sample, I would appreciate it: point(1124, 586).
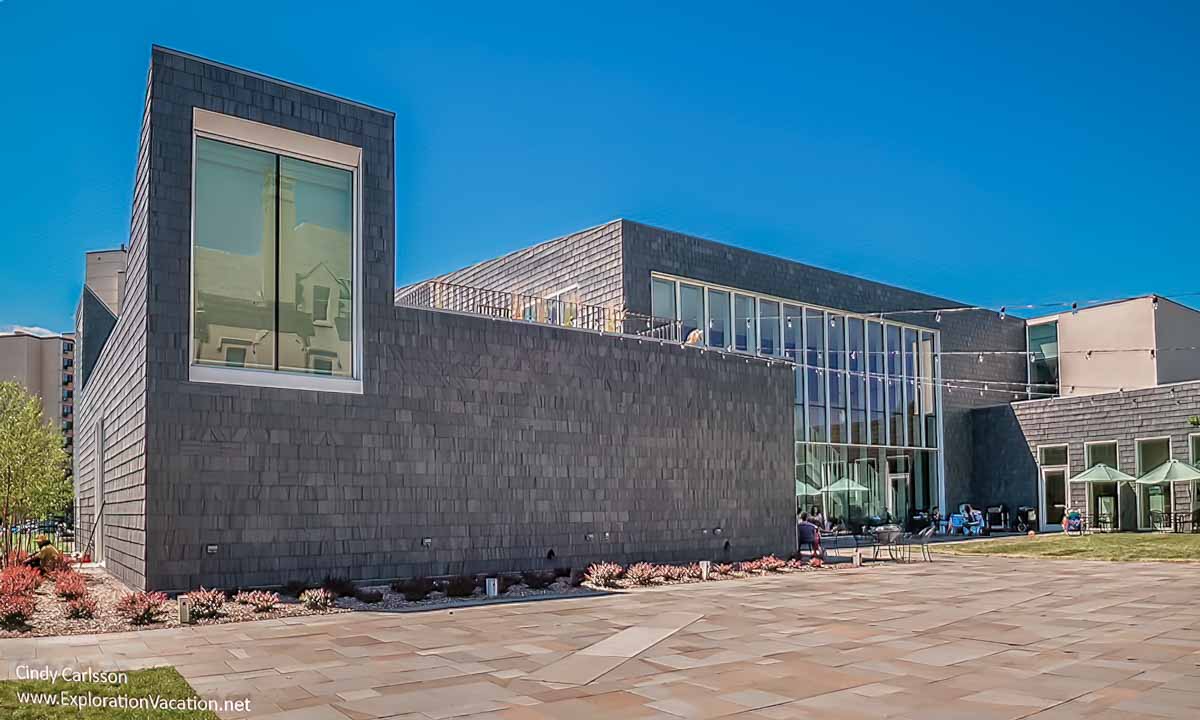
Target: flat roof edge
point(269, 78)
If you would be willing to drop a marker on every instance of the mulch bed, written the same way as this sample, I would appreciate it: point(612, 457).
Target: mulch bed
point(50, 613)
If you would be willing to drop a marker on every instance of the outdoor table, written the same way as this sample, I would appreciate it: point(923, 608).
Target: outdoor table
point(833, 539)
point(888, 536)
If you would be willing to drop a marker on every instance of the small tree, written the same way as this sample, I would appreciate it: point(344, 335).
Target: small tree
point(33, 480)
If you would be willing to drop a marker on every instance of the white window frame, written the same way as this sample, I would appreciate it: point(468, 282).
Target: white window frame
point(1042, 470)
point(1193, 456)
point(280, 141)
point(1137, 465)
point(1087, 465)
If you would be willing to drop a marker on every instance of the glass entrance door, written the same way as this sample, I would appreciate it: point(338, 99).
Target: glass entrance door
point(1054, 497)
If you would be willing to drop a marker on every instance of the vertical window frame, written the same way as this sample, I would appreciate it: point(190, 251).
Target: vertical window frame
point(299, 146)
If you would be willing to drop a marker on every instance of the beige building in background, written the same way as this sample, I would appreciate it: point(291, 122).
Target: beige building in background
point(1130, 344)
point(45, 366)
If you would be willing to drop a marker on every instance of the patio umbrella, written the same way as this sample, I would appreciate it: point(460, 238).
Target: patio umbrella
point(1102, 473)
point(844, 485)
point(1171, 471)
point(803, 488)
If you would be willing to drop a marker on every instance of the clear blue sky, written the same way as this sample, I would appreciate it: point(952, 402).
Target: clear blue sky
point(993, 155)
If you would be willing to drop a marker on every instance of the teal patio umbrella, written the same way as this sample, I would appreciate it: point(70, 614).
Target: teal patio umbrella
point(845, 485)
point(1171, 471)
point(1102, 473)
point(803, 488)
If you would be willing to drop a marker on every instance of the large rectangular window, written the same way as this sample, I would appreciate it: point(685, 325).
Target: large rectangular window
point(929, 386)
point(875, 380)
point(662, 301)
point(814, 360)
point(793, 332)
point(1043, 350)
point(718, 319)
point(838, 424)
point(911, 397)
point(743, 323)
point(768, 327)
point(274, 257)
point(691, 310)
point(856, 376)
point(895, 388)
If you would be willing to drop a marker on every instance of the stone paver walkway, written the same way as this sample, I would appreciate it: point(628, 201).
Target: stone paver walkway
point(979, 638)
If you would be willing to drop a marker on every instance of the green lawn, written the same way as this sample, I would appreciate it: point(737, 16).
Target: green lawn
point(1099, 546)
point(163, 683)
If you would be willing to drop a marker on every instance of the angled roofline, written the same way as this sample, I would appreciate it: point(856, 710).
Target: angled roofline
point(261, 76)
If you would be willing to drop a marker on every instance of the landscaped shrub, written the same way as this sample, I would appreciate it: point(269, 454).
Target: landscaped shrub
point(339, 586)
point(15, 557)
point(15, 610)
point(750, 566)
point(604, 574)
point(19, 580)
point(260, 600)
point(142, 608)
point(69, 584)
point(460, 586)
point(535, 580)
point(413, 589)
point(206, 603)
point(675, 573)
point(81, 607)
point(643, 573)
point(317, 599)
point(693, 572)
point(368, 596)
point(726, 569)
point(295, 588)
point(770, 563)
point(562, 572)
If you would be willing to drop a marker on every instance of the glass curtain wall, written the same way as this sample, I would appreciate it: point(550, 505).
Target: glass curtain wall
point(838, 428)
point(865, 486)
point(875, 380)
point(814, 360)
point(895, 389)
point(856, 344)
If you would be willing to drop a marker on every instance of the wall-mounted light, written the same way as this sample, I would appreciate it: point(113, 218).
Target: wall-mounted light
point(427, 542)
point(718, 531)
point(938, 316)
point(589, 537)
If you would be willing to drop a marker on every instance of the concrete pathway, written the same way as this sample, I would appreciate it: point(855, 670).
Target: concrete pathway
point(979, 638)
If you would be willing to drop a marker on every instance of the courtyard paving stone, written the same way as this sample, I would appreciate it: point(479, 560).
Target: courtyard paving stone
point(979, 637)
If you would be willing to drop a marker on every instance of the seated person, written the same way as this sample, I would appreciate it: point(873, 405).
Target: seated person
point(809, 534)
point(46, 558)
point(974, 519)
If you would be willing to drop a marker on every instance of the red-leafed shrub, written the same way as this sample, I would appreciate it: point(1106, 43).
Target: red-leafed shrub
point(749, 567)
point(604, 574)
point(260, 600)
point(673, 573)
point(69, 584)
point(317, 599)
point(692, 572)
point(15, 610)
point(770, 563)
point(642, 573)
point(81, 607)
point(14, 557)
point(726, 569)
point(19, 580)
point(142, 608)
point(206, 603)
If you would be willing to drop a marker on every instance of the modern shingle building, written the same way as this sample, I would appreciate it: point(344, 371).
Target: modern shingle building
point(268, 408)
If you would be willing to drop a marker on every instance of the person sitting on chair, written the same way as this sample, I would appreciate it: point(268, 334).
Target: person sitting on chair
point(46, 558)
point(809, 534)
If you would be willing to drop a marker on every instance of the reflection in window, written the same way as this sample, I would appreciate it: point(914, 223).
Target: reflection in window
point(718, 319)
point(895, 390)
point(837, 380)
point(875, 356)
point(1100, 454)
point(234, 253)
point(814, 359)
point(911, 397)
point(793, 331)
point(856, 345)
point(1052, 455)
point(928, 388)
point(273, 240)
point(1043, 346)
point(743, 323)
point(768, 327)
point(691, 309)
point(662, 301)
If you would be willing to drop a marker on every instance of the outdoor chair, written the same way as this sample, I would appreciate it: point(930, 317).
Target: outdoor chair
point(920, 540)
point(890, 537)
point(1158, 521)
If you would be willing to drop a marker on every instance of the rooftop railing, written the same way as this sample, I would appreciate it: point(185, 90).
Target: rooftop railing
point(501, 304)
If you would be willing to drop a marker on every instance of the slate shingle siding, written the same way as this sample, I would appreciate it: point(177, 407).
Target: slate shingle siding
point(589, 258)
point(1007, 437)
point(116, 393)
